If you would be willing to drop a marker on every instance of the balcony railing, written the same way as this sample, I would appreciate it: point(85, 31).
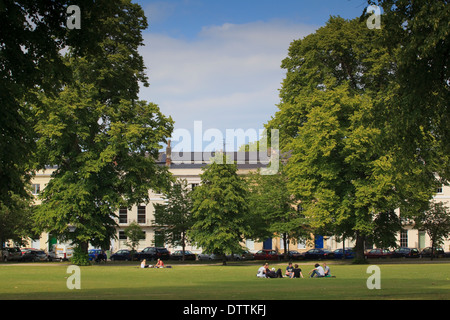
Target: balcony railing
point(142, 222)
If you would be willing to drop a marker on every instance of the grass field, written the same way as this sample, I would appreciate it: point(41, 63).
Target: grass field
point(217, 282)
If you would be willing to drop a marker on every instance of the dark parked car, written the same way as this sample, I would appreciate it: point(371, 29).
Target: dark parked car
point(406, 253)
point(318, 254)
point(292, 255)
point(122, 255)
point(378, 254)
point(438, 253)
point(349, 254)
point(11, 254)
point(266, 254)
point(33, 255)
point(178, 255)
point(153, 253)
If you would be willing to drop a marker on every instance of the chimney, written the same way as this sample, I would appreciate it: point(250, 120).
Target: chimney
point(168, 154)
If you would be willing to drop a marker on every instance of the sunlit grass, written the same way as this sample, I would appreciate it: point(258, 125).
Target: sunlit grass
point(217, 282)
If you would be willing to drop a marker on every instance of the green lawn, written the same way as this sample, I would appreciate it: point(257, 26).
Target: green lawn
point(216, 282)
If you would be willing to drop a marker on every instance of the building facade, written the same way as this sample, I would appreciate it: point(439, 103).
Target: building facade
point(188, 166)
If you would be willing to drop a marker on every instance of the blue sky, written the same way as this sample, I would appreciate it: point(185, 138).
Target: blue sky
point(218, 62)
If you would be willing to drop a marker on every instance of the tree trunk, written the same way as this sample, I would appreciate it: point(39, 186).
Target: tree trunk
point(359, 247)
point(84, 246)
point(343, 248)
point(183, 244)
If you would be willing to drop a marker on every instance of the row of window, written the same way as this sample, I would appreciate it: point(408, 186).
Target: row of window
point(141, 215)
point(404, 239)
point(158, 238)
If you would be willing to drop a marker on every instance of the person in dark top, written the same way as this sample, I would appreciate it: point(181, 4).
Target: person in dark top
point(297, 272)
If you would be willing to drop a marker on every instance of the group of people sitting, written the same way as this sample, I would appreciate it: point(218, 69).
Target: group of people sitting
point(293, 272)
point(159, 264)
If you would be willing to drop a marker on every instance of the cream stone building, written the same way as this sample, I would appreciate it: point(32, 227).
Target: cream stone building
point(189, 166)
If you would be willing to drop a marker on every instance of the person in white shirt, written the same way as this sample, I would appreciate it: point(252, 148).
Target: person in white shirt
point(326, 270)
point(317, 271)
point(262, 272)
point(144, 264)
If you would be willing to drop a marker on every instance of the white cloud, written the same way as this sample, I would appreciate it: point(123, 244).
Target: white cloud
point(228, 77)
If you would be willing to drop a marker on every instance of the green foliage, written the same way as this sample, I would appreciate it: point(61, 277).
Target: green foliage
point(340, 165)
point(16, 219)
point(417, 35)
point(174, 218)
point(29, 57)
point(436, 222)
point(134, 234)
point(80, 257)
point(273, 209)
point(103, 142)
point(220, 209)
point(33, 35)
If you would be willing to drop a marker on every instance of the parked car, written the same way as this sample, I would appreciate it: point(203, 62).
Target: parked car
point(153, 253)
point(349, 254)
point(97, 255)
point(244, 255)
point(292, 255)
point(204, 256)
point(33, 255)
point(122, 255)
point(378, 254)
point(178, 255)
point(209, 256)
point(266, 254)
point(11, 254)
point(52, 256)
point(405, 253)
point(438, 253)
point(318, 254)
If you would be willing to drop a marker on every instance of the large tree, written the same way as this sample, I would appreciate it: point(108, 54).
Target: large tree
point(417, 35)
point(339, 166)
point(103, 141)
point(31, 36)
point(220, 209)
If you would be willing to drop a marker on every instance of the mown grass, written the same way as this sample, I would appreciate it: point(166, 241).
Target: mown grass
point(217, 282)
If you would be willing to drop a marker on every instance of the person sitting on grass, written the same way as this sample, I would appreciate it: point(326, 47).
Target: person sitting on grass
point(159, 264)
point(272, 273)
point(297, 272)
point(289, 270)
point(317, 272)
point(262, 271)
point(327, 271)
point(144, 264)
point(265, 272)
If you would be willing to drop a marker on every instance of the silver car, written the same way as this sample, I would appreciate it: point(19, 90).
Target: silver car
point(11, 254)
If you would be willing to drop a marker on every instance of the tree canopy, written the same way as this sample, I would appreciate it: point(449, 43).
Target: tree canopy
point(102, 140)
point(220, 209)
